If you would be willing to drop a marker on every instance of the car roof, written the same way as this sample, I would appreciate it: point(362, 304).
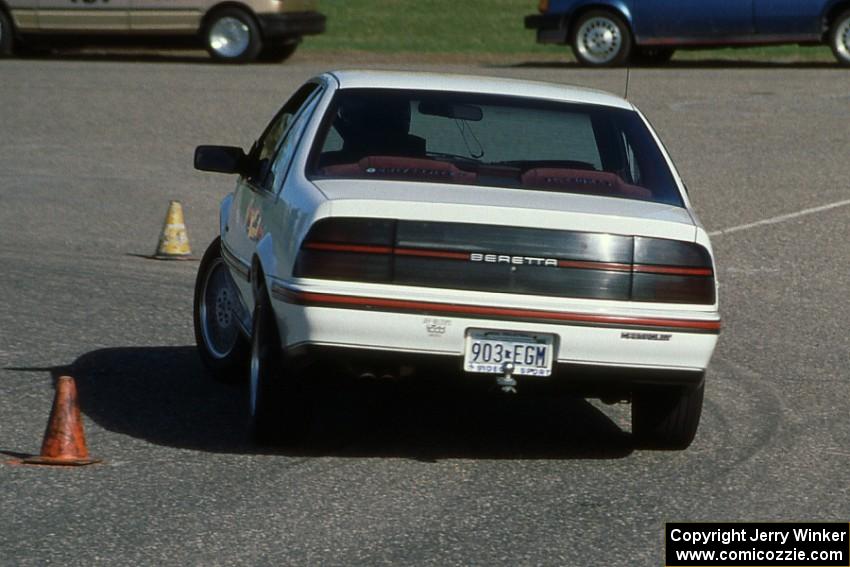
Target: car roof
point(356, 79)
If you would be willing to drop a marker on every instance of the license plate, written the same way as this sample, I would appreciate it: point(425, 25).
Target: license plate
point(489, 351)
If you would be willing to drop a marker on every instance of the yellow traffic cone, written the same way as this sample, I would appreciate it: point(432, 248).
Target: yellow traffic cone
point(174, 242)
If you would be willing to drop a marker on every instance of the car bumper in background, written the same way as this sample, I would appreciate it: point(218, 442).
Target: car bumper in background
point(292, 24)
point(550, 27)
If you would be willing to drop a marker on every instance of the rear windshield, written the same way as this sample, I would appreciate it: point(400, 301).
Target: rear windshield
point(497, 141)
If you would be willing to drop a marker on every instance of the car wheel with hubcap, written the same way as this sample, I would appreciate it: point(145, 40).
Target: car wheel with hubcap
point(6, 35)
point(839, 38)
point(232, 36)
point(601, 39)
point(666, 417)
point(278, 404)
point(222, 346)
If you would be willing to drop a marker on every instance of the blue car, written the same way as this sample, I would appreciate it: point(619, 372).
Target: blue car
point(614, 32)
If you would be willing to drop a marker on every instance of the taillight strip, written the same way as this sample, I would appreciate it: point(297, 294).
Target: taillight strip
point(585, 265)
point(361, 248)
point(351, 301)
point(578, 264)
point(672, 270)
point(431, 253)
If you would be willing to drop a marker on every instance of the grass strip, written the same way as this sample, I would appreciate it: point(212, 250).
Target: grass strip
point(470, 27)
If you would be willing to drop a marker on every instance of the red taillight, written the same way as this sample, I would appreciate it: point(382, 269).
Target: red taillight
point(672, 271)
point(348, 249)
point(507, 260)
point(346, 230)
point(673, 289)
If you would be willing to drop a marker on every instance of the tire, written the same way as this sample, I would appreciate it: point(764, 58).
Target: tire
point(278, 405)
point(601, 38)
point(222, 347)
point(7, 35)
point(839, 38)
point(666, 417)
point(232, 36)
point(276, 53)
point(652, 55)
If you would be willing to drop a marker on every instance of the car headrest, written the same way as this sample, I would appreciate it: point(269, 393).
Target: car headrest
point(582, 181)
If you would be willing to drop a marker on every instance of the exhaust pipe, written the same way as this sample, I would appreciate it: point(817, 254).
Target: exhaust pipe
point(370, 374)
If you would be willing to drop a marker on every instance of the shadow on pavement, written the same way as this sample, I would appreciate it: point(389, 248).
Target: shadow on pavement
point(164, 56)
point(688, 64)
point(183, 54)
point(162, 395)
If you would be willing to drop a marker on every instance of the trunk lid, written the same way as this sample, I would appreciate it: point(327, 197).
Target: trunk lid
point(507, 207)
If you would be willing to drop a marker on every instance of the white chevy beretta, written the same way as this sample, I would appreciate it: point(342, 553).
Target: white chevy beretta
point(525, 235)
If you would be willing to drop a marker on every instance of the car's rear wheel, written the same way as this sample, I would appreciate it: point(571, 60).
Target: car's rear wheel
point(839, 38)
point(601, 39)
point(278, 404)
point(276, 53)
point(6, 35)
point(652, 55)
point(222, 347)
point(666, 417)
point(232, 35)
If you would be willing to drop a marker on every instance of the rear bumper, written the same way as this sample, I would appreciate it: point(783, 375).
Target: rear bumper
point(589, 380)
point(619, 349)
point(291, 24)
point(550, 28)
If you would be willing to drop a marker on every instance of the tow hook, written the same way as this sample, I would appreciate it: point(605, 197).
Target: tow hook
point(507, 382)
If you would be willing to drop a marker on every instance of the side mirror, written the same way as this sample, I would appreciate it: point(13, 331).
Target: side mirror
point(220, 159)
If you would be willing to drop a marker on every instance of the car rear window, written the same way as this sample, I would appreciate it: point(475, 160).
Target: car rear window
point(496, 141)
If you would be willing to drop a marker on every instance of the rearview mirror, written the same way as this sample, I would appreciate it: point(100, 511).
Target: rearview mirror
point(220, 159)
point(451, 110)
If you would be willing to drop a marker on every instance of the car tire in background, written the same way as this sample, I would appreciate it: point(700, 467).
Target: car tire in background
point(276, 53)
point(839, 38)
point(652, 55)
point(666, 417)
point(231, 35)
point(601, 38)
point(221, 345)
point(7, 35)
point(279, 407)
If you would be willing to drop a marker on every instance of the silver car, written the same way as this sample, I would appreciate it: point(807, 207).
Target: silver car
point(230, 31)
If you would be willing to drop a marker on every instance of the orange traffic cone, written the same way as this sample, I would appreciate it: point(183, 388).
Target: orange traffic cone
point(174, 241)
point(64, 441)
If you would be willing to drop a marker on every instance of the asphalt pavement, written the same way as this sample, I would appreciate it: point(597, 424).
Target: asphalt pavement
point(92, 150)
